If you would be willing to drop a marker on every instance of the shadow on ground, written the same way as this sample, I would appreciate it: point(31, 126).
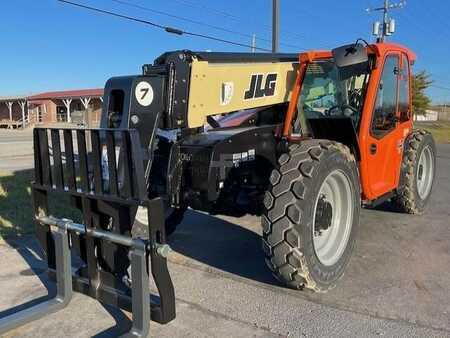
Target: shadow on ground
point(222, 244)
point(15, 204)
point(16, 210)
point(16, 226)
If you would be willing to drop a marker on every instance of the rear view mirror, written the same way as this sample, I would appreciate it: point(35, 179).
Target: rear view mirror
point(351, 60)
point(350, 55)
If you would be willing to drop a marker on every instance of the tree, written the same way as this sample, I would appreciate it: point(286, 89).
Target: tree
point(420, 100)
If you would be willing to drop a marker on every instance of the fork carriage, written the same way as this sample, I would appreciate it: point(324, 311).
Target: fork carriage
point(103, 173)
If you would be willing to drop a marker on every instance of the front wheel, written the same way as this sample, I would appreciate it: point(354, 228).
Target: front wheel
point(311, 215)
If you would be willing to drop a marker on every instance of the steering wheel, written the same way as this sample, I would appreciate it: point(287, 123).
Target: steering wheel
point(355, 96)
point(342, 108)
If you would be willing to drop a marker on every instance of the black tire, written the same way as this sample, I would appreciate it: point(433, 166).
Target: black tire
point(288, 229)
point(173, 218)
point(407, 198)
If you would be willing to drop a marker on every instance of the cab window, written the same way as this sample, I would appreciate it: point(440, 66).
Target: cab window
point(404, 94)
point(328, 94)
point(384, 116)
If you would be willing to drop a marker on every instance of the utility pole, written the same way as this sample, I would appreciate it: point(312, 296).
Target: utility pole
point(253, 43)
point(275, 25)
point(388, 26)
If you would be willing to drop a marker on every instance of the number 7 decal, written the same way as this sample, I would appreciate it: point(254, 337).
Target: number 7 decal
point(144, 93)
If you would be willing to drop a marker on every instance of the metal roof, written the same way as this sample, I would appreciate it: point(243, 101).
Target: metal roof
point(66, 94)
point(13, 98)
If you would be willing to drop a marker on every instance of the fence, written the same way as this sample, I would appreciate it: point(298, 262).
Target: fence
point(444, 116)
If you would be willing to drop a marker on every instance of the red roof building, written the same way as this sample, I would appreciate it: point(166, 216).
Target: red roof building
point(65, 94)
point(70, 106)
point(13, 111)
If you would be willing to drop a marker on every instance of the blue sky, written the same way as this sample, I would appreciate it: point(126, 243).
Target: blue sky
point(45, 45)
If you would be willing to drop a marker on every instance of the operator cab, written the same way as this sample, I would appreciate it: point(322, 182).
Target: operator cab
point(360, 96)
point(334, 88)
point(327, 94)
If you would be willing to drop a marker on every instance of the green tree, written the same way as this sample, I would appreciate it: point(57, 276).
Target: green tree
point(420, 100)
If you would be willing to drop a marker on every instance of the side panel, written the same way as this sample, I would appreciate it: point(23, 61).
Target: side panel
point(217, 88)
point(211, 157)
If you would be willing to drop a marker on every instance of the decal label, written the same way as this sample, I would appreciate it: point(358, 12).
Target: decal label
point(261, 86)
point(226, 93)
point(144, 93)
point(245, 156)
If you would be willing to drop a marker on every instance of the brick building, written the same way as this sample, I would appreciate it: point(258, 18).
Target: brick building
point(71, 106)
point(13, 111)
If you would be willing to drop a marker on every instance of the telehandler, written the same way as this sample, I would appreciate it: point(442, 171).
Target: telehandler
point(304, 141)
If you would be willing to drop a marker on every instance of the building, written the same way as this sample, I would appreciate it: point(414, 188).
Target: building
point(429, 116)
point(13, 111)
point(71, 106)
point(443, 111)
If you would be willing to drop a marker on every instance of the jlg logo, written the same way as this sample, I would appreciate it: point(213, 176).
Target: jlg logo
point(258, 90)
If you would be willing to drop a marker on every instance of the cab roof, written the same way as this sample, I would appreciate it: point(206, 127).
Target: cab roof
point(385, 47)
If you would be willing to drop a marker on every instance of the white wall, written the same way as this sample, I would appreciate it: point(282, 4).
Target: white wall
point(430, 115)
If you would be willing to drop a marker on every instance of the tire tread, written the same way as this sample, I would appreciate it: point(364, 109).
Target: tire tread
point(285, 256)
point(406, 199)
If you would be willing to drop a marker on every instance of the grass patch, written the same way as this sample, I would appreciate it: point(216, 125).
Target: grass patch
point(15, 203)
point(439, 129)
point(16, 211)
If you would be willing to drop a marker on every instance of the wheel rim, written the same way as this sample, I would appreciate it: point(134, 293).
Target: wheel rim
point(425, 171)
point(333, 217)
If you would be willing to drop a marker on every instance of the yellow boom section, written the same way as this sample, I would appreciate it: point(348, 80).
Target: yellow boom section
point(217, 88)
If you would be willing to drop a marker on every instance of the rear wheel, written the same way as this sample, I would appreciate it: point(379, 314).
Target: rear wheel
point(311, 215)
point(417, 173)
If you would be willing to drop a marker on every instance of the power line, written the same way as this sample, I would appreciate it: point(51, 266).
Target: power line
point(439, 78)
point(126, 3)
point(433, 15)
point(289, 34)
point(210, 9)
point(168, 29)
point(414, 16)
point(440, 87)
point(234, 17)
point(421, 28)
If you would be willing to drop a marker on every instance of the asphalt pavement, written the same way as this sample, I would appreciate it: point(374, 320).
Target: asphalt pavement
point(16, 149)
point(396, 285)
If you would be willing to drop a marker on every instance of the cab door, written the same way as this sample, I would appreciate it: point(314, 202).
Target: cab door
point(385, 138)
